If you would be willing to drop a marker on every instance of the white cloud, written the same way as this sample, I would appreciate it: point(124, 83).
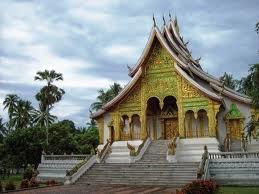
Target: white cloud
point(121, 51)
point(66, 108)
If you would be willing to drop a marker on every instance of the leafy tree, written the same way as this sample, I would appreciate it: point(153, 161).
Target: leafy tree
point(24, 146)
point(49, 94)
point(10, 103)
point(61, 138)
point(257, 27)
point(229, 81)
point(87, 140)
point(106, 96)
point(251, 85)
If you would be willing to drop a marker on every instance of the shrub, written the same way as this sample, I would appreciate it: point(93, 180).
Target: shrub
point(1, 187)
point(9, 186)
point(33, 183)
point(51, 182)
point(24, 184)
point(200, 187)
point(28, 173)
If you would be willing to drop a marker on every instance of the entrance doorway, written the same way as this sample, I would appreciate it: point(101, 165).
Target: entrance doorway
point(169, 118)
point(171, 128)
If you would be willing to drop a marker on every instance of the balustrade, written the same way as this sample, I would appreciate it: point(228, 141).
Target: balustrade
point(66, 157)
point(233, 155)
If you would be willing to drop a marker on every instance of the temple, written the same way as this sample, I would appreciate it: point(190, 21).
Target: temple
point(172, 122)
point(170, 95)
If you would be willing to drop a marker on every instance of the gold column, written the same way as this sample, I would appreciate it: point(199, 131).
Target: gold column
point(181, 114)
point(143, 120)
point(143, 115)
point(100, 124)
point(212, 113)
point(117, 130)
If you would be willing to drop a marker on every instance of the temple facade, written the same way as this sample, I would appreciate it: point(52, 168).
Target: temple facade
point(170, 95)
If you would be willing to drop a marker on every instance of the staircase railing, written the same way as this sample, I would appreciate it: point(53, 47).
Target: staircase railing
point(203, 166)
point(172, 146)
point(132, 149)
point(74, 174)
point(101, 154)
point(171, 149)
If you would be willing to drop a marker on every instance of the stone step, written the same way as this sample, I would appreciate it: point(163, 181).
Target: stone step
point(175, 184)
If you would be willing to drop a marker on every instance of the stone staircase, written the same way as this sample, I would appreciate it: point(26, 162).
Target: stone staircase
point(152, 169)
point(235, 145)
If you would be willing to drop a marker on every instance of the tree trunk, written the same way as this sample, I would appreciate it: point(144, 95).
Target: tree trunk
point(47, 125)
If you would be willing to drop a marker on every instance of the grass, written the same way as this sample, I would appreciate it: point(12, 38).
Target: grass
point(238, 190)
point(16, 179)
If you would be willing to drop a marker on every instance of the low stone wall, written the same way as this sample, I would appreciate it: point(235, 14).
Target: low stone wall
point(55, 167)
point(234, 168)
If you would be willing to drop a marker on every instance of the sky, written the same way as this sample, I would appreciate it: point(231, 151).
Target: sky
point(92, 42)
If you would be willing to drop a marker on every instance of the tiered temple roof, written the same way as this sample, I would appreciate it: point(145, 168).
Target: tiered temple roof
point(170, 39)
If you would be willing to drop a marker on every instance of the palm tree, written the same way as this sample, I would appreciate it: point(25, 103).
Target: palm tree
point(229, 81)
point(22, 117)
point(40, 117)
point(106, 96)
point(10, 102)
point(115, 89)
point(49, 94)
point(3, 130)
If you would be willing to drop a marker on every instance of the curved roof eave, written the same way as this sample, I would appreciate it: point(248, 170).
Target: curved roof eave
point(97, 114)
point(196, 85)
point(230, 94)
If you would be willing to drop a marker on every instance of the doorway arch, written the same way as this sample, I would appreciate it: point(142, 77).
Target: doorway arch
point(169, 118)
point(153, 113)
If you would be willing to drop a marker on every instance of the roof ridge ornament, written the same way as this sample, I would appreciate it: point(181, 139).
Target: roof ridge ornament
point(129, 68)
point(198, 60)
point(170, 16)
point(164, 20)
point(175, 20)
point(154, 20)
point(185, 44)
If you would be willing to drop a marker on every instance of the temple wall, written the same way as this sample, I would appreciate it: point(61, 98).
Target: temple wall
point(107, 120)
point(221, 127)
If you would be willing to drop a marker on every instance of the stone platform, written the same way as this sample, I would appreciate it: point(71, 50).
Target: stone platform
point(191, 149)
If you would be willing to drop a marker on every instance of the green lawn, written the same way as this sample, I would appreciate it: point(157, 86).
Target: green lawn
point(15, 178)
point(238, 190)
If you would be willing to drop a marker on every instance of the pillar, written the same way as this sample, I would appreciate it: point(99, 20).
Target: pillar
point(100, 124)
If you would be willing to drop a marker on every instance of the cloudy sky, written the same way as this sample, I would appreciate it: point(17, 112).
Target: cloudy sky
point(92, 42)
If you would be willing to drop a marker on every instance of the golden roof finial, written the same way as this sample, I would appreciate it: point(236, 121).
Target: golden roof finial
point(154, 20)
